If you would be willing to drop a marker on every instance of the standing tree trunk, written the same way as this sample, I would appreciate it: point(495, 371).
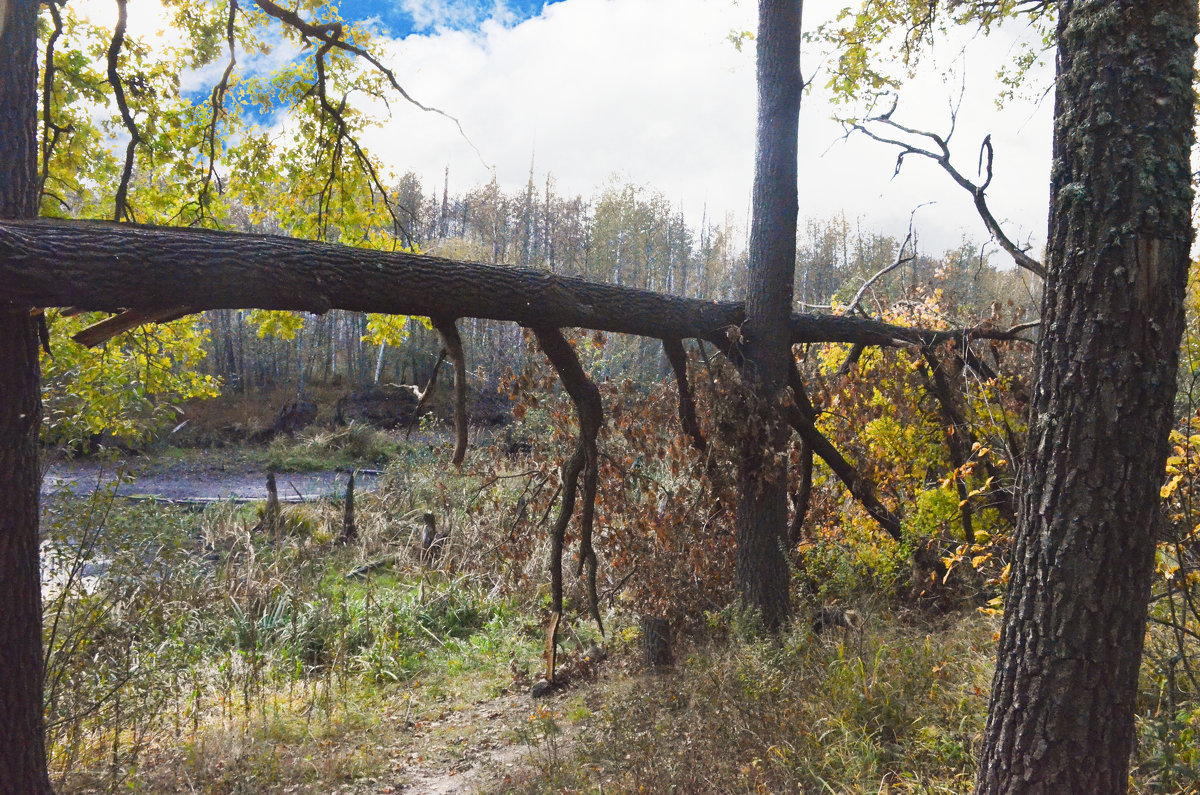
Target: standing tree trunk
point(1061, 717)
point(22, 726)
point(762, 515)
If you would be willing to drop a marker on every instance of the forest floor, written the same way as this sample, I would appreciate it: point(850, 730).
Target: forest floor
point(479, 747)
point(196, 655)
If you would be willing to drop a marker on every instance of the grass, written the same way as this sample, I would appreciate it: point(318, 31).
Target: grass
point(212, 658)
point(896, 708)
point(211, 655)
point(339, 448)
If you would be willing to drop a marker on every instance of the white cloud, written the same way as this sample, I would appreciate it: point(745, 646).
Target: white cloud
point(648, 90)
point(250, 63)
point(453, 14)
point(652, 91)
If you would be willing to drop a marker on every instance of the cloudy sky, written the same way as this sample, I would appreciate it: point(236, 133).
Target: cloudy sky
point(653, 92)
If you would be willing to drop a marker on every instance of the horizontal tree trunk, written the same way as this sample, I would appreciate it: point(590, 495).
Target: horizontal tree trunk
point(105, 266)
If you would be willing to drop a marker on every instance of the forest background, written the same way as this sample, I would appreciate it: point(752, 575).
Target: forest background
point(884, 410)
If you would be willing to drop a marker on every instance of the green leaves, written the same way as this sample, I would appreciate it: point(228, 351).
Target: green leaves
point(391, 329)
point(125, 389)
point(877, 44)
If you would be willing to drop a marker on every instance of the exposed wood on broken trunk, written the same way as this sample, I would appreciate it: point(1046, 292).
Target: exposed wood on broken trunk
point(425, 394)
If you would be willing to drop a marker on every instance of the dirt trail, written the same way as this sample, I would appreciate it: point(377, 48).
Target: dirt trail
point(470, 750)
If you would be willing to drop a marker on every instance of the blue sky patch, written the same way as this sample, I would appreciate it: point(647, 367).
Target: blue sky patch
point(400, 18)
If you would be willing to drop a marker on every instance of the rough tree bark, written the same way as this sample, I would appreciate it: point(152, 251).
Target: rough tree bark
point(22, 735)
point(1061, 717)
point(766, 344)
point(104, 266)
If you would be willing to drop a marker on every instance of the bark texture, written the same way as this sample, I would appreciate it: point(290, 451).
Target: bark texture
point(22, 726)
point(1061, 717)
point(766, 344)
point(105, 266)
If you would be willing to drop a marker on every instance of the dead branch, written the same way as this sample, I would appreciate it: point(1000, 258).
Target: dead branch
point(957, 436)
point(584, 460)
point(803, 498)
point(856, 352)
point(801, 415)
point(673, 348)
point(452, 345)
point(941, 156)
point(101, 332)
point(901, 259)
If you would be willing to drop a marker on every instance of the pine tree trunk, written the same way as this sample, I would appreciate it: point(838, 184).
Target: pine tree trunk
point(1062, 711)
point(762, 515)
point(22, 726)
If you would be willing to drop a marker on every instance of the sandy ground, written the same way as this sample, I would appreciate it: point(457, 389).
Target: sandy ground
point(193, 480)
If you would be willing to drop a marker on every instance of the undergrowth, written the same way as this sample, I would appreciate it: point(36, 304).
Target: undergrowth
point(895, 708)
point(192, 650)
point(353, 445)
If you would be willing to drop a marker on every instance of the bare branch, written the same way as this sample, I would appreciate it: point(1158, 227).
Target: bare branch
point(901, 259)
point(452, 343)
point(673, 348)
point(102, 332)
point(802, 416)
point(956, 433)
point(941, 155)
point(120, 204)
point(583, 460)
point(803, 498)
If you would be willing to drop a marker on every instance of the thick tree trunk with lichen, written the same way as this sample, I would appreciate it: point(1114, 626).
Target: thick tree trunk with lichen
point(766, 344)
point(22, 726)
point(1061, 717)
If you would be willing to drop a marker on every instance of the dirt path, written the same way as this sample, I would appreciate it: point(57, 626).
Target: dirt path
point(467, 750)
point(477, 749)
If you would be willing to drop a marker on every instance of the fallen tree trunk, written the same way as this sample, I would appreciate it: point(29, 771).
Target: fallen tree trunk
point(95, 265)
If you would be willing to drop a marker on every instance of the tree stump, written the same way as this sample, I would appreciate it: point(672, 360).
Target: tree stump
point(432, 542)
point(656, 642)
point(271, 520)
point(349, 531)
